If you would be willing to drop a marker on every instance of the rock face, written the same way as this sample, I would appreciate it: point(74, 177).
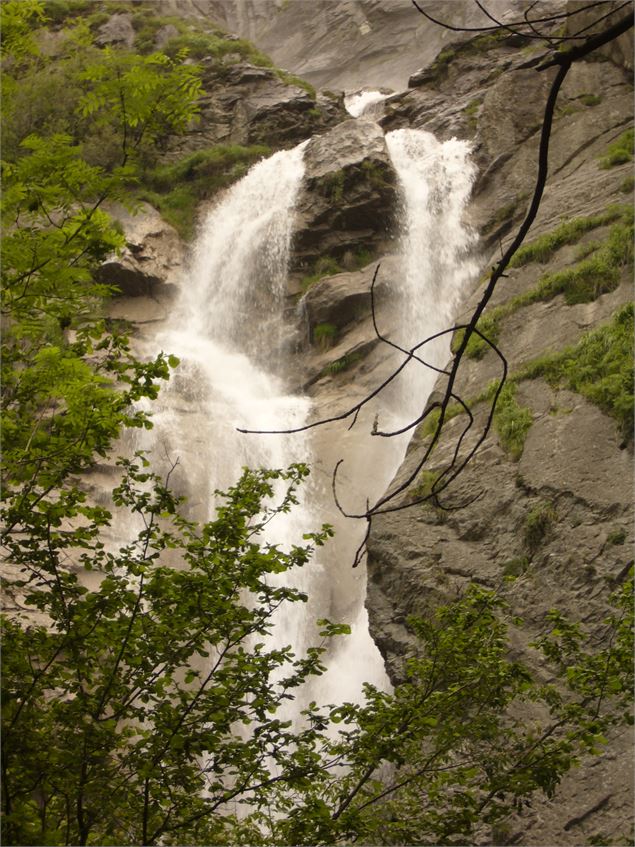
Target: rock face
point(575, 469)
point(249, 104)
point(345, 44)
point(148, 268)
point(348, 197)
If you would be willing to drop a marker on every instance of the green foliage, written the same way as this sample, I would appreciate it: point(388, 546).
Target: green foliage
point(424, 485)
point(324, 334)
point(627, 185)
point(568, 232)
point(117, 105)
point(480, 44)
point(512, 421)
point(620, 152)
point(471, 112)
point(537, 525)
point(116, 700)
point(582, 282)
point(431, 421)
point(377, 175)
point(324, 266)
point(516, 567)
point(342, 364)
point(178, 188)
point(154, 701)
point(599, 366)
point(60, 10)
point(332, 185)
point(143, 702)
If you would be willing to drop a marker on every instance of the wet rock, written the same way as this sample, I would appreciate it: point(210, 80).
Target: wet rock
point(349, 194)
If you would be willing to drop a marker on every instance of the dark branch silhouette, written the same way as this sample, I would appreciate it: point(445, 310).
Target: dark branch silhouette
point(562, 60)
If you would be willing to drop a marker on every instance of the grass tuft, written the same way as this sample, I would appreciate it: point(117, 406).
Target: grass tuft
point(620, 152)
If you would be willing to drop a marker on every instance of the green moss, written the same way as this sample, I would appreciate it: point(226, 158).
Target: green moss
point(512, 422)
point(537, 525)
point(59, 10)
point(341, 364)
point(424, 484)
point(431, 422)
point(298, 82)
point(325, 334)
point(475, 46)
point(332, 185)
point(376, 174)
point(627, 185)
point(504, 213)
point(488, 325)
point(590, 99)
point(599, 367)
point(620, 152)
point(583, 282)
point(568, 232)
point(617, 536)
point(325, 266)
point(471, 113)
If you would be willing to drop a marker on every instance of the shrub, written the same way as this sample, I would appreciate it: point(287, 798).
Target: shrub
point(516, 566)
point(177, 188)
point(424, 485)
point(341, 364)
point(591, 99)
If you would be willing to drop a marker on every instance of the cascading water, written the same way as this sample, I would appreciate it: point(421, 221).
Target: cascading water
point(365, 103)
point(435, 179)
point(227, 331)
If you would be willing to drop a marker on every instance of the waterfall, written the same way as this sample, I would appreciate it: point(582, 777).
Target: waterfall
point(228, 331)
point(435, 180)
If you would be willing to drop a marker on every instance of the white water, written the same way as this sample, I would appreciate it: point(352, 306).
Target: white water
point(226, 331)
point(364, 103)
point(435, 180)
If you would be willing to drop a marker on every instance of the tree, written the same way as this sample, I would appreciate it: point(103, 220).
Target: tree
point(148, 708)
point(142, 710)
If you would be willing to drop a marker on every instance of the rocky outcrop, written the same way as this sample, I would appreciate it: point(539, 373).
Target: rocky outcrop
point(146, 272)
point(249, 104)
point(348, 196)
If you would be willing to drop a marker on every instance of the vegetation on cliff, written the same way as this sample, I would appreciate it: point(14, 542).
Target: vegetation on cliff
point(143, 703)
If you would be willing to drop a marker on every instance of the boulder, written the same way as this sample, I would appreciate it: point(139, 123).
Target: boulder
point(348, 196)
point(150, 262)
point(117, 30)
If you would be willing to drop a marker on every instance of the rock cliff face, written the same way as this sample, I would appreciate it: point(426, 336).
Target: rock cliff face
point(556, 511)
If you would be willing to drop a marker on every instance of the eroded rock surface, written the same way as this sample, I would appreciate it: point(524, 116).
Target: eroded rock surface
point(147, 271)
point(348, 199)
